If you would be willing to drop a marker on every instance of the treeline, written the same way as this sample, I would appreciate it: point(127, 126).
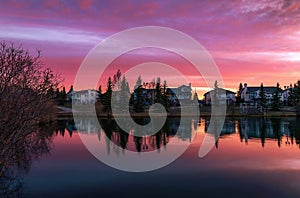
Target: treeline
point(60, 96)
point(139, 100)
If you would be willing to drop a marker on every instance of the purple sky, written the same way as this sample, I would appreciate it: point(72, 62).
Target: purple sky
point(251, 41)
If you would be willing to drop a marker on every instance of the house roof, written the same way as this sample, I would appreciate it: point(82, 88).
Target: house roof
point(184, 86)
point(171, 90)
point(226, 90)
point(266, 89)
point(83, 91)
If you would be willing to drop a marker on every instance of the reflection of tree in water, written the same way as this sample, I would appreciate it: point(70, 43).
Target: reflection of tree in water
point(294, 128)
point(146, 142)
point(269, 128)
point(213, 129)
point(276, 124)
point(18, 150)
point(263, 131)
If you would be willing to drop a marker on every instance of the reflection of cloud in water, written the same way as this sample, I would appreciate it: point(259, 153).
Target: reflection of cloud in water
point(260, 164)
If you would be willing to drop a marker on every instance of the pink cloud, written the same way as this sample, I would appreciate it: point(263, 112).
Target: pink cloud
point(85, 4)
point(259, 37)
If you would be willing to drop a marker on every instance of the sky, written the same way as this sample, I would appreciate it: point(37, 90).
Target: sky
point(250, 41)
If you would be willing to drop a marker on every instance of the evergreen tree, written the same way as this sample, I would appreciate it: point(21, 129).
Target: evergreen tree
point(127, 87)
point(297, 90)
point(138, 103)
point(124, 94)
point(61, 96)
point(57, 94)
point(99, 92)
point(165, 97)
point(262, 97)
point(294, 96)
point(69, 92)
point(158, 92)
point(216, 93)
point(239, 92)
point(116, 80)
point(276, 103)
point(107, 96)
point(64, 92)
point(195, 100)
point(71, 89)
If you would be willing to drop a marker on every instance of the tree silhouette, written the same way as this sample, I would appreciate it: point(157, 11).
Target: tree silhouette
point(166, 102)
point(239, 92)
point(24, 89)
point(116, 80)
point(139, 103)
point(106, 101)
point(262, 97)
point(158, 92)
point(216, 93)
point(124, 95)
point(276, 103)
point(99, 92)
point(71, 89)
point(294, 96)
point(24, 103)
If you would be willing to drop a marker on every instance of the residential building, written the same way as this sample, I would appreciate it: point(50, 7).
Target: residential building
point(181, 94)
point(285, 95)
point(226, 95)
point(88, 96)
point(251, 94)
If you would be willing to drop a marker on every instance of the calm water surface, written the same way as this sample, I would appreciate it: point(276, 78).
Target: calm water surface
point(253, 157)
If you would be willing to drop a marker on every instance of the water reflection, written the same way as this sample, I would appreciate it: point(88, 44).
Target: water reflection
point(18, 150)
point(283, 130)
point(145, 142)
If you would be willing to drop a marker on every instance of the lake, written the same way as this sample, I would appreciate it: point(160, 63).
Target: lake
point(253, 157)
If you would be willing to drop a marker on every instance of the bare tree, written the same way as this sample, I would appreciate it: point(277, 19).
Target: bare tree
point(25, 99)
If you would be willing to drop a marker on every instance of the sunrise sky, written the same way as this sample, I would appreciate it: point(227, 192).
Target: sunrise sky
point(251, 41)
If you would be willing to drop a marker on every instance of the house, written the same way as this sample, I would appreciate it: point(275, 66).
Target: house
point(251, 94)
point(286, 94)
point(227, 95)
point(180, 94)
point(88, 96)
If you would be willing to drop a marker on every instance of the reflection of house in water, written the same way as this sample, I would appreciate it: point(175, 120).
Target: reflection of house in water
point(228, 127)
point(87, 125)
point(256, 127)
point(182, 130)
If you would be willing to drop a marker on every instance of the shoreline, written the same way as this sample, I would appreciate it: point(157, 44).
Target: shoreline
point(201, 114)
